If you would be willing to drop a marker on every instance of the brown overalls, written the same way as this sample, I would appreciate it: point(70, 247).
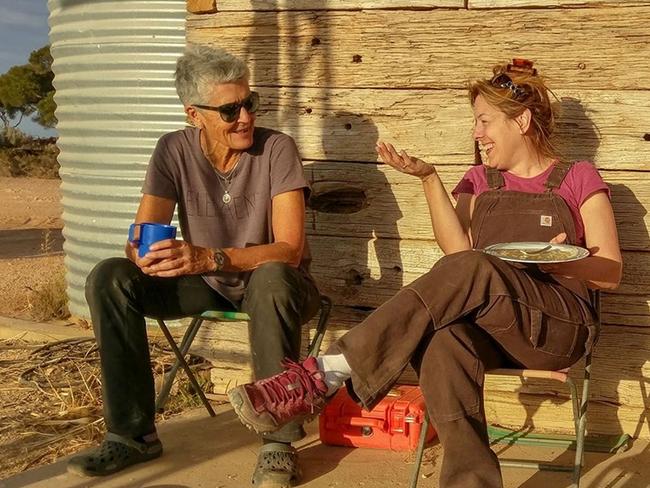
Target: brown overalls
point(471, 313)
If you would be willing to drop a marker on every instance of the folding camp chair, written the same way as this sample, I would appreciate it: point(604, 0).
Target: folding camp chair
point(579, 414)
point(221, 316)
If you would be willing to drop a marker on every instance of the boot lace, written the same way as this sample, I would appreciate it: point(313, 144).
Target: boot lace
point(292, 395)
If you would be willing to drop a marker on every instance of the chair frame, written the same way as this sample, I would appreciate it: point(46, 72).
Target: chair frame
point(579, 404)
point(220, 316)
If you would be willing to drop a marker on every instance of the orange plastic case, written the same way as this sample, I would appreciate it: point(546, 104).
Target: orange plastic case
point(394, 423)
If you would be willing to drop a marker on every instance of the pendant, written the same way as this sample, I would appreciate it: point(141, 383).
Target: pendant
point(226, 198)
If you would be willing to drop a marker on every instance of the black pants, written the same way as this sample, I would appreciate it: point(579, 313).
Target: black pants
point(278, 299)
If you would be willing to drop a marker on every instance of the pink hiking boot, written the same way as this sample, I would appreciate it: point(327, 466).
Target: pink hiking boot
point(295, 394)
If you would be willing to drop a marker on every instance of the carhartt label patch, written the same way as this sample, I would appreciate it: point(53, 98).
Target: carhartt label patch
point(546, 220)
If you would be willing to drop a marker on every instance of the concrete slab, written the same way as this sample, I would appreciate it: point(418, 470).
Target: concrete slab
point(204, 452)
point(27, 330)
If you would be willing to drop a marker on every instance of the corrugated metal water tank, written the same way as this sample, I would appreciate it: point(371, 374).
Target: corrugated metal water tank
point(113, 64)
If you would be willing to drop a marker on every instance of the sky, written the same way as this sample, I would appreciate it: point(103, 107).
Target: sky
point(23, 29)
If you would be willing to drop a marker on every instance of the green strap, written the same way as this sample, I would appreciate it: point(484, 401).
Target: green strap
point(225, 315)
point(595, 443)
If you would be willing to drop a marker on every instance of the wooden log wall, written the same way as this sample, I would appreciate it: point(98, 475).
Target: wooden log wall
point(340, 75)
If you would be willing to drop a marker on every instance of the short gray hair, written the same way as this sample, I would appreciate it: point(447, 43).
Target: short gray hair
point(202, 67)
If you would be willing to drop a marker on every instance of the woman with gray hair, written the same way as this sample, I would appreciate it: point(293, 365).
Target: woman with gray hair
point(240, 194)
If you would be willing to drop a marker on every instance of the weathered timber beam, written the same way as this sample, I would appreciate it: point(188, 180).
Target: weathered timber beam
point(489, 4)
point(608, 127)
point(577, 48)
point(202, 6)
point(356, 199)
point(278, 5)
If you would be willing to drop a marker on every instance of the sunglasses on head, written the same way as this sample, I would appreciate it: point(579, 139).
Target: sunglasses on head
point(502, 80)
point(229, 112)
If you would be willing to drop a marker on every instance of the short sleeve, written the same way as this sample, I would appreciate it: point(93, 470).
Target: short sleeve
point(585, 180)
point(470, 183)
point(287, 173)
point(159, 180)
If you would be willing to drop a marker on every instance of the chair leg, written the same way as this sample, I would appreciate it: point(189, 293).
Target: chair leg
point(582, 426)
point(180, 359)
point(188, 338)
point(575, 403)
point(325, 308)
point(418, 456)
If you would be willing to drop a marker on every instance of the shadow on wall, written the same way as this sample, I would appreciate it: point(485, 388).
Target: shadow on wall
point(304, 39)
point(579, 139)
point(358, 187)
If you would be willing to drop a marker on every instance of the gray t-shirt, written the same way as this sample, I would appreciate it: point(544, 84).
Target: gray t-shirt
point(179, 171)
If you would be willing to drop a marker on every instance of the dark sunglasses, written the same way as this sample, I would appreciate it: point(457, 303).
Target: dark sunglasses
point(230, 111)
point(503, 81)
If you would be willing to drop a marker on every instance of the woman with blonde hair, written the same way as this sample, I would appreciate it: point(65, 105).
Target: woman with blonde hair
point(473, 311)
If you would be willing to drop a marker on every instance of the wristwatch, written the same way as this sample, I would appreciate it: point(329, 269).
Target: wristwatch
point(219, 258)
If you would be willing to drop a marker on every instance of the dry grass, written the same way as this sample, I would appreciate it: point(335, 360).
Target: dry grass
point(49, 300)
point(50, 399)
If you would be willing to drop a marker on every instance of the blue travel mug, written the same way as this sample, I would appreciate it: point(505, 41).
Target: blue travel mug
point(145, 234)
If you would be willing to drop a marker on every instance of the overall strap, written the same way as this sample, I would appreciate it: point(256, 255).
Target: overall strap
point(555, 179)
point(494, 178)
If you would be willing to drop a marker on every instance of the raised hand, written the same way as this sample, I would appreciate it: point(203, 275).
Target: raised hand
point(404, 163)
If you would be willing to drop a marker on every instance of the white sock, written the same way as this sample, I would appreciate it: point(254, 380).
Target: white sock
point(336, 370)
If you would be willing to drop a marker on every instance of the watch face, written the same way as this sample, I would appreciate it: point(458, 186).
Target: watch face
point(219, 258)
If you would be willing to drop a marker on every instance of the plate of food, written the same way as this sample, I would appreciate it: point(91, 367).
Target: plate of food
point(537, 252)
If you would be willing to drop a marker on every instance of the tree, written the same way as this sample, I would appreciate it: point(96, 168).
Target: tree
point(27, 90)
point(45, 111)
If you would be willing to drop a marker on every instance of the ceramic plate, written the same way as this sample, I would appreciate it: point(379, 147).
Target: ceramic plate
point(537, 252)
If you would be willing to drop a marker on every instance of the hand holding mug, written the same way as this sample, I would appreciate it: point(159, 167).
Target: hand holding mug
point(170, 258)
point(144, 234)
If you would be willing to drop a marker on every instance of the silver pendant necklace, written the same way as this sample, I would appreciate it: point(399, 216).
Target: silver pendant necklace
point(225, 181)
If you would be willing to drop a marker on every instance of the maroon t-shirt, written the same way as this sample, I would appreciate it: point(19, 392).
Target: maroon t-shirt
point(179, 171)
point(581, 181)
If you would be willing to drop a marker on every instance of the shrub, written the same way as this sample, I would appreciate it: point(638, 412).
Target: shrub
point(49, 301)
point(22, 155)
